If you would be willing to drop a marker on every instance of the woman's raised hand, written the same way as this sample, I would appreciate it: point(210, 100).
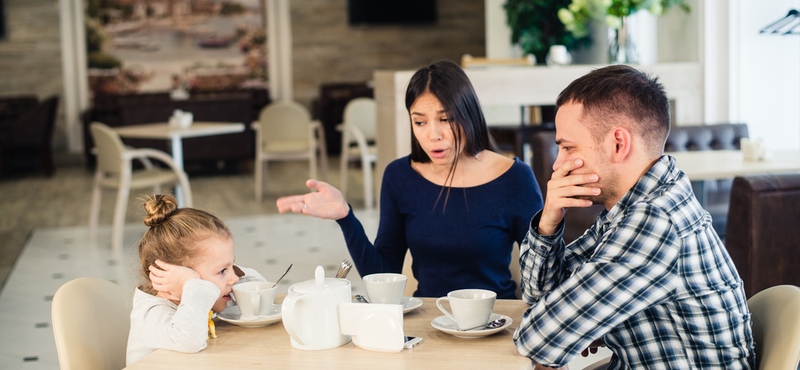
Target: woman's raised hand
point(327, 202)
point(169, 279)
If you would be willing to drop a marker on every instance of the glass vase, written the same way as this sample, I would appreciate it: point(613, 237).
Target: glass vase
point(621, 49)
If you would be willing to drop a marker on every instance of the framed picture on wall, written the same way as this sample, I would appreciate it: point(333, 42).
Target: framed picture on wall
point(175, 45)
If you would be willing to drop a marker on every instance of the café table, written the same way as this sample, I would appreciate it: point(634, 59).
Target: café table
point(704, 165)
point(268, 347)
point(176, 135)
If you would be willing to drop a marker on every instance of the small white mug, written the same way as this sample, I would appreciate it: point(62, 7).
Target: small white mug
point(558, 56)
point(385, 288)
point(254, 298)
point(471, 307)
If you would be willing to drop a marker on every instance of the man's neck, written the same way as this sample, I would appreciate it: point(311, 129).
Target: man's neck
point(629, 177)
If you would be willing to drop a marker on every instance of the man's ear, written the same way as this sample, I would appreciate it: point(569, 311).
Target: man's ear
point(622, 144)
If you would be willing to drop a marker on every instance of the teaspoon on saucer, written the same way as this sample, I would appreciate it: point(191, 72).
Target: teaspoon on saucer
point(491, 325)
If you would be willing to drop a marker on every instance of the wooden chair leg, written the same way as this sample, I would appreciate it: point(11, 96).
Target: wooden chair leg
point(47, 161)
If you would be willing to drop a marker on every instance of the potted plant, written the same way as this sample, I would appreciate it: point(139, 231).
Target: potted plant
point(535, 26)
point(577, 15)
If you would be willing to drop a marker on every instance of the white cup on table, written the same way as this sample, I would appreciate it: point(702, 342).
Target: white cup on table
point(254, 298)
point(471, 307)
point(385, 288)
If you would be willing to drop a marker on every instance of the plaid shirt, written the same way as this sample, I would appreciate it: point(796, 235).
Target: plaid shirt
point(650, 277)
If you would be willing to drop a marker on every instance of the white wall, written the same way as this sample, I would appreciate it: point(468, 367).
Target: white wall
point(765, 73)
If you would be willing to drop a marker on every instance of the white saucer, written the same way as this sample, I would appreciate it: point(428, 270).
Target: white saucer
point(409, 303)
point(234, 316)
point(448, 326)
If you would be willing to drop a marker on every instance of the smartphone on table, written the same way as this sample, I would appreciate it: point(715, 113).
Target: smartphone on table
point(412, 342)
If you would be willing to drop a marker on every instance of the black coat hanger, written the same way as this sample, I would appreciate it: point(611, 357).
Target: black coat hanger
point(776, 27)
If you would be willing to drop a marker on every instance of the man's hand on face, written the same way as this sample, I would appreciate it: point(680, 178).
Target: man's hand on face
point(562, 189)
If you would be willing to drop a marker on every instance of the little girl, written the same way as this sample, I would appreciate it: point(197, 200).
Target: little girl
point(187, 264)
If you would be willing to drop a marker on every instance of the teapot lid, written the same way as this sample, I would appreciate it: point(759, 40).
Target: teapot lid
point(320, 284)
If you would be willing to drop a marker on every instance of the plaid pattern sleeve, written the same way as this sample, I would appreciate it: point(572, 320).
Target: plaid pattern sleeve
point(650, 278)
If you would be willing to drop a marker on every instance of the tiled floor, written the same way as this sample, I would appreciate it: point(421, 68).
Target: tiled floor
point(53, 256)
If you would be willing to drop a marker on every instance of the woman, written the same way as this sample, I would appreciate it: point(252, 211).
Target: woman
point(455, 203)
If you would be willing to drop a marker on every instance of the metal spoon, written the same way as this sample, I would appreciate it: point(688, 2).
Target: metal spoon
point(344, 269)
point(284, 274)
point(361, 298)
point(491, 325)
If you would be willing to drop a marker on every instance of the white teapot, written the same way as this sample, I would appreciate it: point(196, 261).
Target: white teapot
point(310, 312)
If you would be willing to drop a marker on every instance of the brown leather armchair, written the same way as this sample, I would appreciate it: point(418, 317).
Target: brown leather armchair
point(764, 230)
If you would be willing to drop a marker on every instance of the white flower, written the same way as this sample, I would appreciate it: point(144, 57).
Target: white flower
point(613, 22)
point(566, 16)
point(656, 9)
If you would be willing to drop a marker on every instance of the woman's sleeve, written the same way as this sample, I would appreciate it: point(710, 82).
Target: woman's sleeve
point(389, 250)
point(184, 329)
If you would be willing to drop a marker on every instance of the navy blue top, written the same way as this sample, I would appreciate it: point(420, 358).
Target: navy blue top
point(468, 245)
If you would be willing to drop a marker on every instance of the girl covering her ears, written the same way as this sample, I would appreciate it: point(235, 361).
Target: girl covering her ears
point(455, 203)
point(187, 264)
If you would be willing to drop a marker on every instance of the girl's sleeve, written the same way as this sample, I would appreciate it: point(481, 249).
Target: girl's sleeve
point(184, 329)
point(389, 250)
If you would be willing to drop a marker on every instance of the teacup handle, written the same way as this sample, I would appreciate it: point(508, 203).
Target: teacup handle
point(255, 299)
point(439, 304)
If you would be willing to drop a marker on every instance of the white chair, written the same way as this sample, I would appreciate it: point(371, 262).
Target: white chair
point(776, 327)
point(359, 127)
point(285, 131)
point(114, 171)
point(91, 321)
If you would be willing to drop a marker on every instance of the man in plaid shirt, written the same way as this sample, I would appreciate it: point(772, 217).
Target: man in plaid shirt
point(650, 279)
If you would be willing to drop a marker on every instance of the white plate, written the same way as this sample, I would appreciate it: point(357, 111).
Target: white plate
point(234, 316)
point(448, 326)
point(409, 303)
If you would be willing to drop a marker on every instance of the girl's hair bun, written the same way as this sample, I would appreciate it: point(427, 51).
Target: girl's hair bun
point(159, 208)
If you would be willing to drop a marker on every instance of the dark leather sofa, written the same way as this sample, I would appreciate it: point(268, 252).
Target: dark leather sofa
point(26, 132)
point(764, 230)
point(725, 136)
point(219, 106)
point(681, 138)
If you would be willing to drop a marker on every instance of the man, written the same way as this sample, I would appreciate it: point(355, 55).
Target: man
point(650, 279)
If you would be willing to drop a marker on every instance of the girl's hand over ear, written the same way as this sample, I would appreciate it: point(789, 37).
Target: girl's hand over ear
point(169, 279)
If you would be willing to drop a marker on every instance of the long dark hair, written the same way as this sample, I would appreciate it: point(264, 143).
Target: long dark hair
point(449, 84)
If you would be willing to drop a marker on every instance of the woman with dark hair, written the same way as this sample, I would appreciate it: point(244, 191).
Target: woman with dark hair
point(455, 203)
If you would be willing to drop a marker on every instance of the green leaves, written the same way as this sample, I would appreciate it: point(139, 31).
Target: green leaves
point(535, 26)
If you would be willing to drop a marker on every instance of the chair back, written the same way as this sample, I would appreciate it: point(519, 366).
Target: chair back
point(361, 113)
point(284, 120)
point(763, 230)
point(91, 321)
point(109, 148)
point(776, 327)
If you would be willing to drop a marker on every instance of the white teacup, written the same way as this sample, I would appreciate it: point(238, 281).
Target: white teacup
point(254, 298)
point(471, 307)
point(385, 288)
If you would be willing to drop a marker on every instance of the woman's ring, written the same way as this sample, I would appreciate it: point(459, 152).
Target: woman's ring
point(304, 205)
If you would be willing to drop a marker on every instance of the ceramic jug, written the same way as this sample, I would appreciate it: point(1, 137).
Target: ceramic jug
point(310, 312)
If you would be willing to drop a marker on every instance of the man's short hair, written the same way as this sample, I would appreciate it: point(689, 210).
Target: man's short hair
point(619, 90)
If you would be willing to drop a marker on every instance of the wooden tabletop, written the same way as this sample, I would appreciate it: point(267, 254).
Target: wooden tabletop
point(269, 347)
